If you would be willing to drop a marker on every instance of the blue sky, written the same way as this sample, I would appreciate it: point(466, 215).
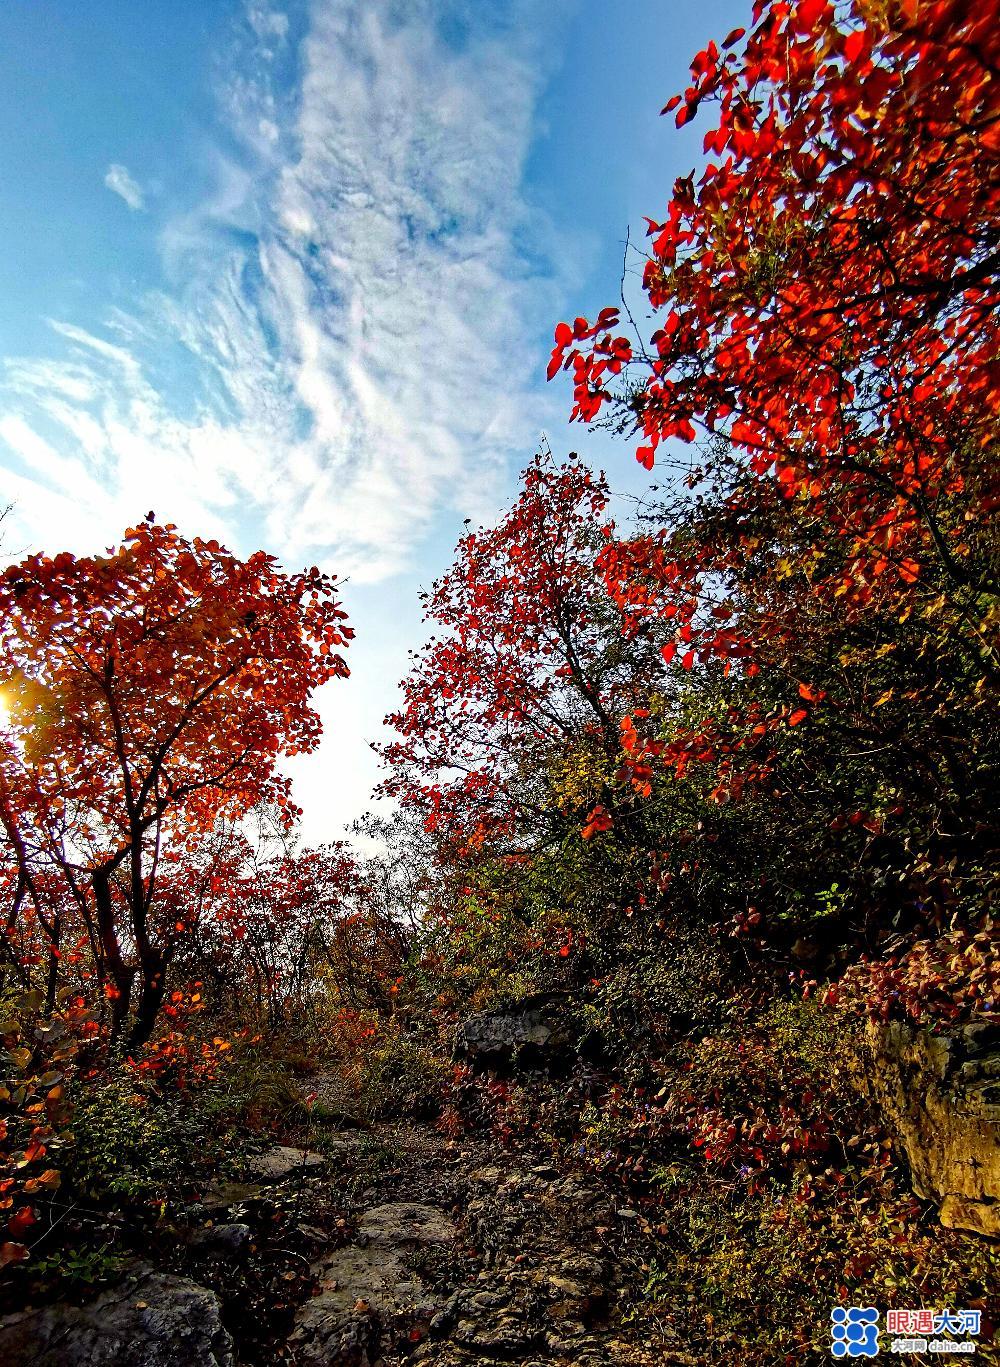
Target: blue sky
point(286, 273)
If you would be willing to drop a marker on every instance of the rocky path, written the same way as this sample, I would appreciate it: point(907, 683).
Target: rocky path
point(474, 1257)
point(399, 1247)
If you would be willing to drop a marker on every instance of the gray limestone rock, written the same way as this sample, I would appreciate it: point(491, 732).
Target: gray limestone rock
point(369, 1291)
point(283, 1162)
point(151, 1320)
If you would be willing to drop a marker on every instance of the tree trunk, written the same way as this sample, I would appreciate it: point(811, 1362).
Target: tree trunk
point(153, 986)
point(114, 965)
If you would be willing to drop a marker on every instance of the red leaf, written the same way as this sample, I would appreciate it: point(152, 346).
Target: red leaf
point(909, 570)
point(854, 45)
point(810, 693)
point(808, 14)
point(598, 820)
point(21, 1221)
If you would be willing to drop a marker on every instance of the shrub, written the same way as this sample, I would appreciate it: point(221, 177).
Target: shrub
point(257, 1089)
point(760, 1276)
point(41, 1057)
point(402, 1076)
point(131, 1140)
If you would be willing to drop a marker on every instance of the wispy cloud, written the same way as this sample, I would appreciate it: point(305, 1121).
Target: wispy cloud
point(118, 180)
point(267, 23)
point(346, 348)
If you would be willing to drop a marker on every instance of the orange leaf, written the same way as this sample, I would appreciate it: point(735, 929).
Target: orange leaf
point(12, 1253)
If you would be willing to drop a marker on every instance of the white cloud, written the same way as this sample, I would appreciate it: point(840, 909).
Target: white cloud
point(267, 23)
point(346, 348)
point(118, 179)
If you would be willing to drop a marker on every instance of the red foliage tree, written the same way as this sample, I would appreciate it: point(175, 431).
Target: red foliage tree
point(251, 921)
point(827, 294)
point(828, 288)
point(150, 692)
point(530, 663)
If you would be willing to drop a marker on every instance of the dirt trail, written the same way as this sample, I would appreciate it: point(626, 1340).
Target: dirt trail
point(369, 1248)
point(462, 1254)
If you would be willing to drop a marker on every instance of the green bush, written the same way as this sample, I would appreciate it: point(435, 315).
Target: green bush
point(402, 1076)
point(132, 1141)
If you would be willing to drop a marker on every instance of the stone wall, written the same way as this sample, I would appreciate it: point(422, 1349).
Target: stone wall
point(941, 1097)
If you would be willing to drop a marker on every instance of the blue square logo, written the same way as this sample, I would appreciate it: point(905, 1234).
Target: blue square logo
point(854, 1332)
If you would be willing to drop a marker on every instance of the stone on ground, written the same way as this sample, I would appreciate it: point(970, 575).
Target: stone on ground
point(370, 1296)
point(151, 1320)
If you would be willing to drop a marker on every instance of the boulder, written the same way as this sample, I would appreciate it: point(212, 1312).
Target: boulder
point(227, 1241)
point(940, 1093)
point(262, 1171)
point(152, 1320)
point(222, 1194)
point(282, 1162)
point(539, 1032)
point(369, 1295)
